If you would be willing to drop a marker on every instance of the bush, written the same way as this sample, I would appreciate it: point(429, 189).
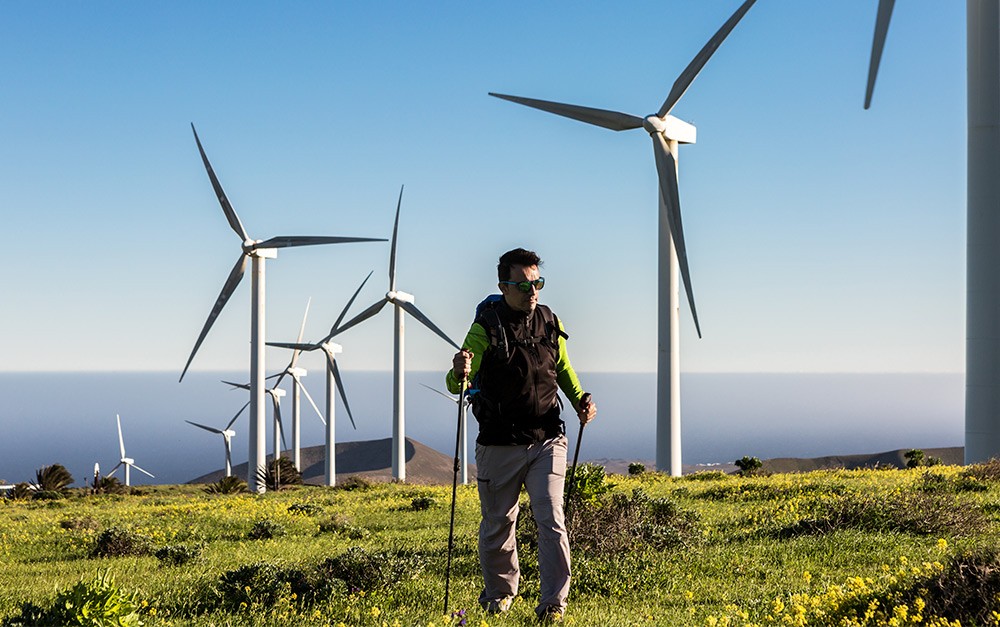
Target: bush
point(968, 590)
point(227, 485)
point(420, 503)
point(109, 485)
point(119, 542)
point(987, 471)
point(20, 491)
point(340, 524)
point(749, 466)
point(915, 458)
point(54, 478)
point(707, 475)
point(636, 468)
point(260, 586)
point(86, 523)
point(265, 530)
point(279, 473)
point(588, 483)
point(94, 604)
point(306, 509)
point(362, 570)
point(920, 513)
point(177, 554)
point(354, 482)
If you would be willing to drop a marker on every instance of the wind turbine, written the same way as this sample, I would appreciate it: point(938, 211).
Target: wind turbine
point(257, 251)
point(276, 395)
point(982, 300)
point(227, 437)
point(297, 387)
point(667, 132)
point(463, 453)
point(402, 302)
point(127, 462)
point(333, 380)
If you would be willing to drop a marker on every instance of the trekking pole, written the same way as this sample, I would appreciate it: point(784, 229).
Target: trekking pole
point(576, 454)
point(454, 493)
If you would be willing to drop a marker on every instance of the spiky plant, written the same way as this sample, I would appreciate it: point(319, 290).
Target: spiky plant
point(278, 474)
point(227, 485)
point(54, 478)
point(109, 485)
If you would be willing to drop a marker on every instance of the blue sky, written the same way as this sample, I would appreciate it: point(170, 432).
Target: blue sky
point(821, 237)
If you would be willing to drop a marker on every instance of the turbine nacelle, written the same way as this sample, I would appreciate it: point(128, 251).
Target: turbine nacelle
point(398, 297)
point(127, 460)
point(296, 372)
point(670, 127)
point(332, 348)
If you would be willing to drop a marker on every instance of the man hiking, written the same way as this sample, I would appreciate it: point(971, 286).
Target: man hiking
point(515, 356)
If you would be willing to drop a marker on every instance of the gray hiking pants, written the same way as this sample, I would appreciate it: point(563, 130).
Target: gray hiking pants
point(502, 470)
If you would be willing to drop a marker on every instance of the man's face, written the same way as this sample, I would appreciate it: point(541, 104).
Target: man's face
point(516, 299)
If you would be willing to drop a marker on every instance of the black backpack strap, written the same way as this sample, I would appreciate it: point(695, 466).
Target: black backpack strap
point(490, 319)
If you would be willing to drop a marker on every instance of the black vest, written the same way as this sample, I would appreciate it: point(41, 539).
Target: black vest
point(518, 398)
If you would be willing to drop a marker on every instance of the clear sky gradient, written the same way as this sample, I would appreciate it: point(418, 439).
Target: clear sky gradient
point(821, 238)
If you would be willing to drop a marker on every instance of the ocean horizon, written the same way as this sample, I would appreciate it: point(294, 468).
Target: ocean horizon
point(69, 417)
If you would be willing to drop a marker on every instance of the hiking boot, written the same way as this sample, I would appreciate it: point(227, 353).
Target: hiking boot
point(550, 615)
point(497, 606)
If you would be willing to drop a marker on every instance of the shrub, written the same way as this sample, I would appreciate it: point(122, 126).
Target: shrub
point(227, 485)
point(707, 475)
point(340, 524)
point(968, 590)
point(306, 509)
point(354, 482)
point(636, 468)
point(987, 471)
point(915, 458)
point(109, 485)
point(265, 530)
point(88, 523)
point(420, 503)
point(177, 554)
point(119, 542)
point(23, 490)
point(261, 586)
point(279, 473)
point(362, 570)
point(92, 604)
point(749, 466)
point(54, 478)
point(920, 513)
point(588, 483)
point(47, 495)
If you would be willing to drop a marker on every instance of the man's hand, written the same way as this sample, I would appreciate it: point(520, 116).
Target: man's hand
point(462, 364)
point(587, 409)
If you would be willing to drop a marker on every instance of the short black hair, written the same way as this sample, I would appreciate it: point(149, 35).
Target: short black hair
point(516, 257)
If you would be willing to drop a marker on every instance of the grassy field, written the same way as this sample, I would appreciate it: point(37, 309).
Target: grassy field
point(869, 547)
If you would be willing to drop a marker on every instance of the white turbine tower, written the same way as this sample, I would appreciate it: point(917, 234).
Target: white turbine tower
point(463, 451)
point(257, 251)
point(124, 460)
point(667, 132)
point(982, 296)
point(402, 302)
point(333, 381)
point(227, 437)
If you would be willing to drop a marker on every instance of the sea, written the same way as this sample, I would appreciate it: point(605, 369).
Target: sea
point(69, 417)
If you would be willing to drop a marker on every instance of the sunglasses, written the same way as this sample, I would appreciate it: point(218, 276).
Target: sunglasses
point(525, 286)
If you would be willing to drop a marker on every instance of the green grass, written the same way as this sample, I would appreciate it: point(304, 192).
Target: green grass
point(785, 549)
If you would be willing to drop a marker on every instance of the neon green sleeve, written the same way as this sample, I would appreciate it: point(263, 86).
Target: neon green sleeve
point(476, 341)
point(569, 383)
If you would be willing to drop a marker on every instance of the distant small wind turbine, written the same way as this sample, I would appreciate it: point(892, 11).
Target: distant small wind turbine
point(463, 455)
point(276, 395)
point(402, 302)
point(125, 461)
point(333, 381)
point(297, 389)
point(227, 436)
point(257, 251)
point(667, 132)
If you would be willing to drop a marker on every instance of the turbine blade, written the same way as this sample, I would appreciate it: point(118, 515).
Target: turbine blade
point(598, 117)
point(336, 324)
point(114, 469)
point(121, 440)
point(294, 346)
point(666, 167)
point(230, 425)
point(143, 471)
point(289, 241)
point(691, 71)
point(302, 331)
point(234, 220)
point(361, 317)
point(235, 276)
point(392, 251)
point(311, 401)
point(878, 44)
point(241, 386)
point(343, 395)
point(212, 429)
point(437, 391)
point(416, 313)
point(277, 416)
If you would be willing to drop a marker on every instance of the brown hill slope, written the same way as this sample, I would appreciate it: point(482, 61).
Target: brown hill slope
point(370, 459)
point(891, 459)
